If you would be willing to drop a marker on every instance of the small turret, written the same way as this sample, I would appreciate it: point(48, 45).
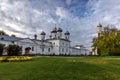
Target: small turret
point(35, 36)
point(99, 25)
point(59, 30)
point(43, 35)
point(54, 33)
point(67, 34)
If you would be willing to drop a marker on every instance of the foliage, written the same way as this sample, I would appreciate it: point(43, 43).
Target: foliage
point(108, 43)
point(3, 33)
point(62, 68)
point(1, 48)
point(15, 58)
point(13, 35)
point(14, 50)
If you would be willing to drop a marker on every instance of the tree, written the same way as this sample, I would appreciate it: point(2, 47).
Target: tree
point(3, 33)
point(13, 35)
point(1, 48)
point(14, 50)
point(108, 43)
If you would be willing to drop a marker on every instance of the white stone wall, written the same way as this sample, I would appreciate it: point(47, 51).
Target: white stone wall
point(26, 43)
point(64, 47)
point(55, 46)
point(60, 47)
point(42, 48)
point(6, 43)
point(75, 51)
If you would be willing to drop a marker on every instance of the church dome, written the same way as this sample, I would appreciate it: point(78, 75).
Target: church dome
point(99, 25)
point(43, 33)
point(59, 30)
point(67, 33)
point(54, 30)
point(35, 35)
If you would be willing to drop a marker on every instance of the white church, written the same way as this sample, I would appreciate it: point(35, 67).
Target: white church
point(54, 45)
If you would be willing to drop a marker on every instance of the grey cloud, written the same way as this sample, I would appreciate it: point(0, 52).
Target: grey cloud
point(33, 16)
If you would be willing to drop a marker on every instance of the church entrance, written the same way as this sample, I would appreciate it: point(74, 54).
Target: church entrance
point(27, 50)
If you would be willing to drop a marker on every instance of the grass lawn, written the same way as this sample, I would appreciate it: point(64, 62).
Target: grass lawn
point(62, 68)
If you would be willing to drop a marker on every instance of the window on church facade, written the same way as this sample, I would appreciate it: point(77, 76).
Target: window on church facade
point(63, 43)
point(54, 44)
point(32, 48)
point(42, 49)
point(62, 49)
point(66, 50)
point(66, 44)
point(48, 49)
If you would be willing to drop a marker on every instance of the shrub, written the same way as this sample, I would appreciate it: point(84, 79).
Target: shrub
point(15, 58)
point(1, 48)
point(14, 50)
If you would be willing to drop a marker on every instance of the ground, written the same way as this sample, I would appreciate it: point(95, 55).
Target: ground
point(62, 68)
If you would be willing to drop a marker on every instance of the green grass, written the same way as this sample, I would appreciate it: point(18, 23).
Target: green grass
point(62, 68)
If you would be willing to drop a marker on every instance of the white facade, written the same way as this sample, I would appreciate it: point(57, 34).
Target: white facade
point(54, 45)
point(60, 46)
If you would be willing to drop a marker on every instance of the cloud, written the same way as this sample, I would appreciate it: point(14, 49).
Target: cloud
point(28, 17)
point(31, 17)
point(14, 16)
point(106, 12)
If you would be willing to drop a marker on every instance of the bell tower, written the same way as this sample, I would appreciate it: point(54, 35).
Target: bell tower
point(99, 30)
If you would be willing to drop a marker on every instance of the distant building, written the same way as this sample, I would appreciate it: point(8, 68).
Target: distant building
point(56, 44)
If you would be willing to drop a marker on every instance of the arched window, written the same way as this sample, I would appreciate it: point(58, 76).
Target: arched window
point(62, 49)
point(66, 49)
point(32, 48)
point(48, 49)
point(66, 44)
point(42, 49)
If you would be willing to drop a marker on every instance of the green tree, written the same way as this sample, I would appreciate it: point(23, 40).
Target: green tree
point(108, 43)
point(3, 33)
point(1, 48)
point(14, 50)
point(13, 35)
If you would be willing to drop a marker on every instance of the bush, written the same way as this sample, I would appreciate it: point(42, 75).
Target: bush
point(14, 50)
point(1, 49)
point(14, 58)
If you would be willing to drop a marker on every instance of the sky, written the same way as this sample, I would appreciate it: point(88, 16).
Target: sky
point(24, 18)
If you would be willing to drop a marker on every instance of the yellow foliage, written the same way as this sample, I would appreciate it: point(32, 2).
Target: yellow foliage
point(15, 58)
